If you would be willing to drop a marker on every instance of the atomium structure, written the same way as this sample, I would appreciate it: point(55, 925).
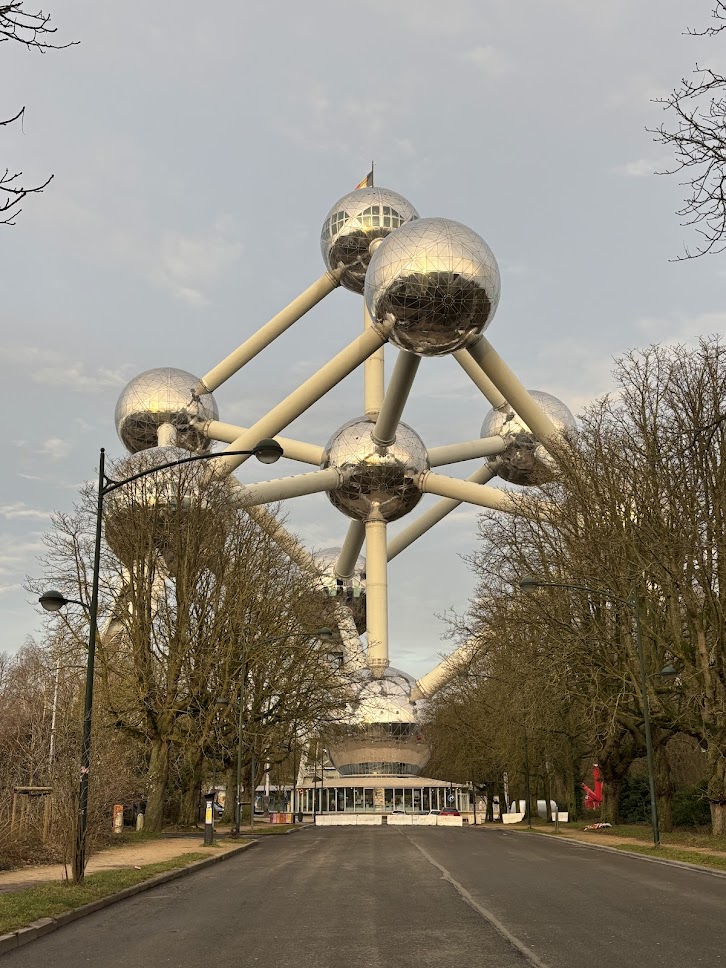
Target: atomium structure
point(430, 287)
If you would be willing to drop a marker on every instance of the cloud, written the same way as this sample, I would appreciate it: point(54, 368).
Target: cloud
point(187, 265)
point(490, 61)
point(681, 327)
point(7, 589)
point(16, 552)
point(56, 448)
point(53, 369)
point(640, 167)
point(19, 509)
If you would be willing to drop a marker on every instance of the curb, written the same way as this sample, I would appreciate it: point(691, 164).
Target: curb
point(16, 939)
point(684, 865)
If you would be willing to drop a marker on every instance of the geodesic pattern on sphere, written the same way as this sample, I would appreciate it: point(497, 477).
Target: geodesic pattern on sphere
point(438, 281)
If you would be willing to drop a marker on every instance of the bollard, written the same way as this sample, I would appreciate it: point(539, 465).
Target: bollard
point(209, 819)
point(139, 822)
point(118, 818)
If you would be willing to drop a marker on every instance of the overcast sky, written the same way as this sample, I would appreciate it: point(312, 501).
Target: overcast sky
point(196, 152)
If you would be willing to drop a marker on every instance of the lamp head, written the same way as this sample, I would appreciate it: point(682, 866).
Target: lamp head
point(325, 634)
point(669, 671)
point(267, 451)
point(529, 583)
point(52, 600)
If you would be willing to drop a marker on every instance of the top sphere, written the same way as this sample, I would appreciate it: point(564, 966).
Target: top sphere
point(438, 281)
point(353, 223)
point(163, 396)
point(525, 460)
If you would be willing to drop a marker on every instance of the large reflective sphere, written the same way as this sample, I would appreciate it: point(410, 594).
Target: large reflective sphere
point(353, 223)
point(378, 477)
point(162, 396)
point(525, 460)
point(439, 282)
point(350, 591)
point(167, 512)
point(383, 735)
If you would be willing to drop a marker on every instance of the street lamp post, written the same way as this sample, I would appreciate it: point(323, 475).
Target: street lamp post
point(267, 451)
point(529, 583)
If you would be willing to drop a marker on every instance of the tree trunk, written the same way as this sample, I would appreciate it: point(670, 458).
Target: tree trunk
point(189, 808)
point(612, 788)
point(664, 789)
point(158, 780)
point(230, 784)
point(717, 790)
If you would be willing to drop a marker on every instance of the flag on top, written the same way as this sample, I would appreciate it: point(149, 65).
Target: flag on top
point(367, 181)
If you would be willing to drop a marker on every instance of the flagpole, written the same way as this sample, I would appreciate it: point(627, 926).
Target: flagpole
point(373, 165)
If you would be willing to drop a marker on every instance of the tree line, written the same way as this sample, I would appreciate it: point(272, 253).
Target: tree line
point(638, 506)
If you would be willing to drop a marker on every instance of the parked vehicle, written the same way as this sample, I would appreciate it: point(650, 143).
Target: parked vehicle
point(449, 812)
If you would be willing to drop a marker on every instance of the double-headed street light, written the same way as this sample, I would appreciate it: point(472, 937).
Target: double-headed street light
point(267, 451)
point(529, 583)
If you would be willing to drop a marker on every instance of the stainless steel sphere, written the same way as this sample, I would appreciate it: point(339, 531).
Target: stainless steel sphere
point(166, 511)
point(525, 460)
point(438, 281)
point(350, 591)
point(383, 734)
point(355, 221)
point(162, 396)
point(378, 478)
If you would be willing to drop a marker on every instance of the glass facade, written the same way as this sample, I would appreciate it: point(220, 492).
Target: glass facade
point(364, 799)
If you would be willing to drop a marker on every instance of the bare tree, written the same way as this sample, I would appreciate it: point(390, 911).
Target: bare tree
point(33, 31)
point(697, 135)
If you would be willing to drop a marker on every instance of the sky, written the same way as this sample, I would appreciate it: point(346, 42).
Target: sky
point(196, 152)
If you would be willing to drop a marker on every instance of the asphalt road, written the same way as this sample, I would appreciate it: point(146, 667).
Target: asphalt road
point(393, 898)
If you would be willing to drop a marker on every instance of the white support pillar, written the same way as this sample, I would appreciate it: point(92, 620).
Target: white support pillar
point(269, 492)
point(351, 549)
point(469, 450)
point(433, 515)
point(305, 396)
point(478, 494)
point(377, 596)
point(269, 332)
point(507, 383)
point(404, 372)
point(373, 374)
point(166, 435)
point(294, 449)
point(354, 657)
point(479, 378)
point(444, 672)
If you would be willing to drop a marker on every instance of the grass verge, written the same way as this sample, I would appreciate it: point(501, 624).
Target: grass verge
point(21, 908)
point(674, 853)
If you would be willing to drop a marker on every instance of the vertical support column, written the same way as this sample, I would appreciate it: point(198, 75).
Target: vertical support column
point(373, 374)
point(166, 435)
point(377, 595)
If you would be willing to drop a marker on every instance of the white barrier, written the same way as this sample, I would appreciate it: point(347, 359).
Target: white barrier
point(423, 819)
point(399, 819)
point(368, 819)
point(335, 820)
point(512, 817)
point(447, 820)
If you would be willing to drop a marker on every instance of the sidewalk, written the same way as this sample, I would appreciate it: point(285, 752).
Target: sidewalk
point(116, 858)
point(616, 840)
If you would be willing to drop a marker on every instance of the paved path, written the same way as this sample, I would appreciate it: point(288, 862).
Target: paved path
point(115, 858)
point(389, 898)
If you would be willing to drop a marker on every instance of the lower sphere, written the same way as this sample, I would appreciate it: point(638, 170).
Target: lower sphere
point(383, 734)
point(378, 479)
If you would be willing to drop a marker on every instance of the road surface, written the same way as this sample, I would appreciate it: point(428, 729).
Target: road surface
point(370, 897)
